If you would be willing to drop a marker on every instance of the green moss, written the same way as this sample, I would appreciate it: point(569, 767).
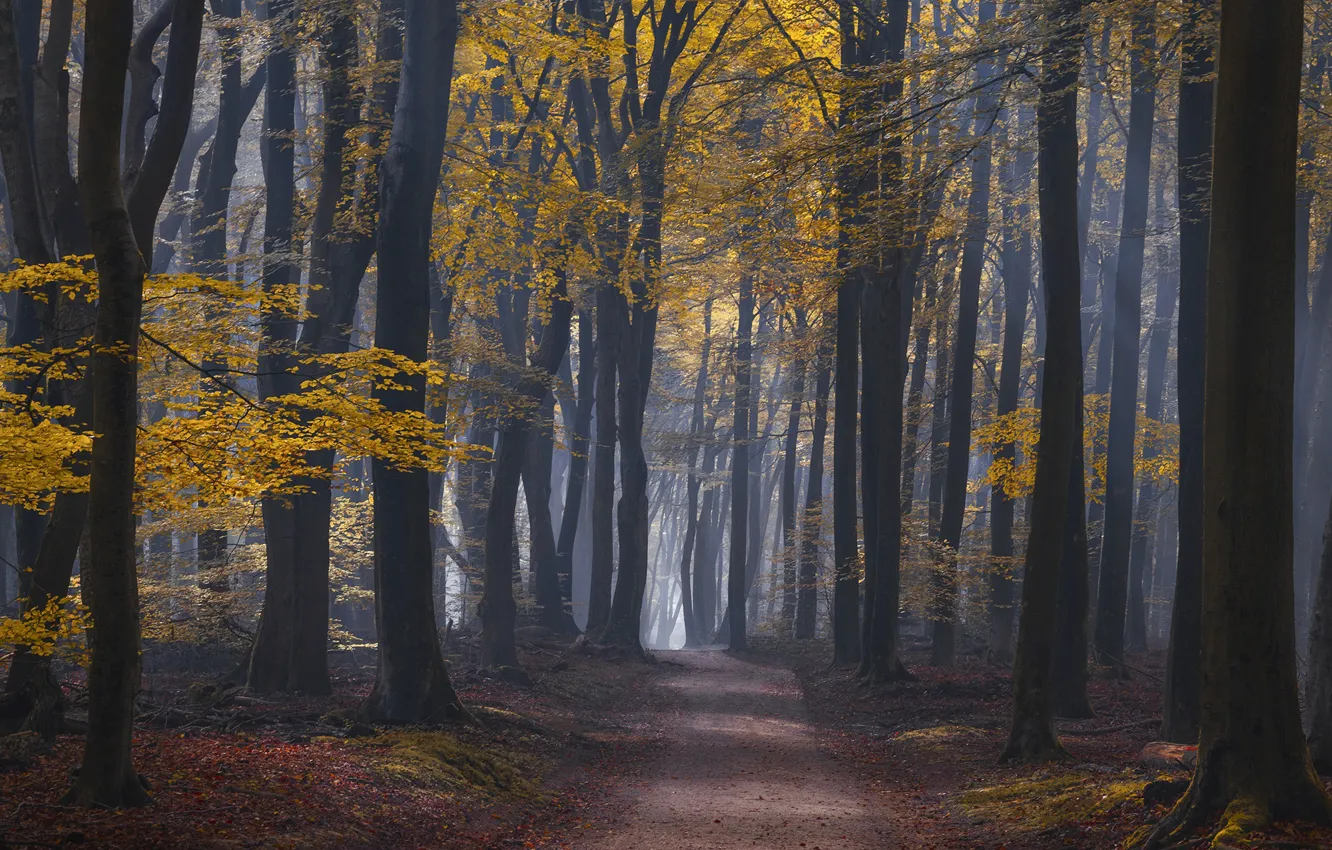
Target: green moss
point(936, 738)
point(1243, 816)
point(1042, 800)
point(439, 760)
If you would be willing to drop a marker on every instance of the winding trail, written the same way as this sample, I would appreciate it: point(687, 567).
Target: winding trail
point(741, 767)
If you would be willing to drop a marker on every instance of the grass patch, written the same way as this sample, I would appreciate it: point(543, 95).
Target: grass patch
point(1042, 801)
point(439, 760)
point(937, 738)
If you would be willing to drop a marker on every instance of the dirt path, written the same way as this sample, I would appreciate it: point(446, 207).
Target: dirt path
point(741, 767)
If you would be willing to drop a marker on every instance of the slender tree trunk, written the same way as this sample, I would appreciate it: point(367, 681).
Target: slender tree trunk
point(1017, 283)
point(1033, 737)
point(807, 599)
point(603, 473)
point(945, 590)
point(735, 584)
point(1148, 498)
point(1253, 763)
point(692, 637)
point(916, 399)
point(790, 460)
point(1118, 532)
point(578, 450)
point(1182, 701)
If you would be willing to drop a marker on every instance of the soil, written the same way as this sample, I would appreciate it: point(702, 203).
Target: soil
point(740, 766)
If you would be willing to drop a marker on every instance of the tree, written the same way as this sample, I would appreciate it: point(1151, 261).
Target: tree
point(944, 649)
point(806, 600)
point(1183, 683)
point(736, 584)
point(412, 683)
point(1017, 283)
point(1032, 737)
point(846, 549)
point(1118, 528)
point(1253, 764)
point(107, 776)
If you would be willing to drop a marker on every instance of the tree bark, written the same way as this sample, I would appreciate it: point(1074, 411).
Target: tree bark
point(1148, 498)
point(1182, 700)
point(1017, 285)
point(740, 471)
point(1032, 737)
point(790, 461)
point(412, 683)
point(943, 606)
point(811, 529)
point(578, 451)
point(1118, 529)
point(1253, 763)
point(107, 777)
point(692, 637)
point(603, 472)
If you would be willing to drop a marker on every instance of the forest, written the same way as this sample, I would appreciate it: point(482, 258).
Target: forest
point(637, 424)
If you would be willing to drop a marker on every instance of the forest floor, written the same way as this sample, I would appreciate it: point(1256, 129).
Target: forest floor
point(700, 750)
point(774, 749)
point(230, 769)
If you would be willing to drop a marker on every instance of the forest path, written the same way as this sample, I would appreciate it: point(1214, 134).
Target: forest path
point(741, 767)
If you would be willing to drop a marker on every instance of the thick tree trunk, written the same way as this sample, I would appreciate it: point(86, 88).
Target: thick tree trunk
point(1070, 650)
point(846, 403)
point(1118, 531)
point(271, 659)
point(1032, 737)
point(412, 683)
point(846, 548)
point(1182, 701)
point(1253, 763)
point(1318, 688)
point(107, 777)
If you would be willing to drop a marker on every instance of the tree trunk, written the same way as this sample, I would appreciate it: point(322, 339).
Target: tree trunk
point(740, 472)
point(1032, 737)
point(807, 599)
point(107, 777)
point(412, 684)
point(1182, 700)
point(1253, 763)
point(1070, 650)
point(1017, 284)
point(578, 451)
point(1318, 688)
point(1118, 532)
point(945, 580)
point(603, 473)
point(790, 460)
point(692, 637)
point(273, 665)
point(1148, 498)
point(846, 548)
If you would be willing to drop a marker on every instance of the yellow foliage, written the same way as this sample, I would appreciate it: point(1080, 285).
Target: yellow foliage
point(55, 630)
